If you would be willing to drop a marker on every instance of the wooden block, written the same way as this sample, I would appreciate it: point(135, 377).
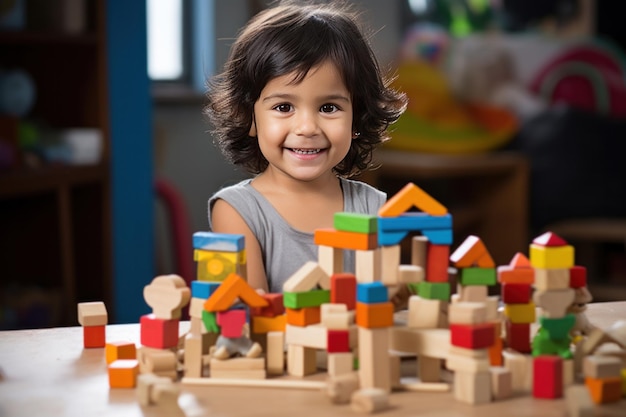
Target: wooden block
point(193, 364)
point(355, 222)
point(123, 373)
point(167, 295)
point(569, 375)
point(501, 383)
point(549, 239)
point(145, 385)
point(434, 343)
point(196, 307)
point(468, 252)
point(520, 313)
point(510, 275)
point(370, 400)
point(92, 314)
point(468, 353)
point(513, 293)
point(374, 316)
point(338, 341)
point(94, 336)
point(340, 363)
point(335, 316)
point(303, 316)
point(554, 303)
point(275, 353)
point(518, 336)
point(162, 362)
point(465, 312)
point(368, 265)
point(374, 363)
point(492, 304)
point(439, 236)
point(578, 401)
point(313, 336)
point(343, 290)
point(158, 333)
point(601, 366)
point(408, 197)
point(330, 259)
point(371, 293)
point(495, 351)
point(577, 276)
point(437, 263)
point(414, 221)
point(389, 264)
point(472, 336)
point(306, 278)
point(217, 266)
point(521, 368)
point(339, 388)
point(262, 325)
point(460, 363)
point(312, 298)
point(547, 377)
point(424, 313)
point(472, 387)
point(119, 350)
point(301, 360)
point(434, 290)
point(410, 274)
point(203, 289)
point(233, 287)
point(429, 369)
point(419, 249)
point(238, 373)
point(275, 306)
point(473, 293)
point(231, 322)
point(604, 390)
point(395, 370)
point(218, 242)
point(345, 240)
point(551, 256)
point(551, 279)
point(477, 276)
point(234, 364)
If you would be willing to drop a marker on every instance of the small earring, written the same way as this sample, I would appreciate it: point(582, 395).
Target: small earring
point(356, 135)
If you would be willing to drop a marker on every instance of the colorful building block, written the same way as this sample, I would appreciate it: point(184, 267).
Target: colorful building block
point(520, 313)
point(203, 289)
point(345, 240)
point(472, 336)
point(439, 236)
point(261, 325)
point(577, 276)
point(470, 252)
point(343, 289)
point(355, 222)
point(551, 256)
point(478, 276)
point(158, 333)
point(218, 242)
point(303, 316)
point(94, 336)
point(513, 293)
point(432, 290)
point(547, 377)
point(313, 298)
point(123, 373)
point(414, 221)
point(338, 341)
point(408, 197)
point(372, 292)
point(119, 350)
point(518, 336)
point(604, 390)
point(437, 263)
point(231, 322)
point(233, 287)
point(373, 316)
point(275, 306)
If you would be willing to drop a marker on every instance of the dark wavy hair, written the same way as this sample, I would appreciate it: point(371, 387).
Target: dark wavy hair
point(291, 38)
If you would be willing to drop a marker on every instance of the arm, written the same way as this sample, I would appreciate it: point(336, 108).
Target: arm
point(225, 219)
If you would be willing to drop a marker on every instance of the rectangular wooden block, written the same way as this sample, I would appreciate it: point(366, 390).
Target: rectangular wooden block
point(551, 279)
point(262, 324)
point(338, 341)
point(92, 314)
point(429, 369)
point(123, 373)
point(330, 259)
point(434, 343)
point(551, 256)
point(478, 276)
point(275, 306)
point(158, 333)
point(373, 316)
point(94, 336)
point(275, 353)
point(340, 363)
point(419, 249)
point(415, 221)
point(473, 293)
point(303, 316)
point(513, 293)
point(466, 312)
point(374, 365)
point(601, 366)
point(312, 298)
point(119, 350)
point(518, 336)
point(467, 364)
point(355, 222)
point(343, 289)
point(510, 275)
point(218, 242)
point(203, 289)
point(472, 336)
point(301, 360)
point(472, 387)
point(336, 316)
point(577, 276)
point(521, 367)
point(238, 373)
point(368, 265)
point(548, 377)
point(437, 263)
point(604, 390)
point(313, 336)
point(237, 364)
point(345, 240)
point(520, 313)
point(578, 401)
point(371, 293)
point(433, 290)
point(424, 313)
point(390, 264)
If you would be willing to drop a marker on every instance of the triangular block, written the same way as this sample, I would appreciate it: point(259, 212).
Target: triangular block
point(233, 287)
point(549, 239)
point(472, 252)
point(408, 197)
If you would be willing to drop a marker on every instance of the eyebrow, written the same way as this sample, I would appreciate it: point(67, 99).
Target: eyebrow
point(285, 96)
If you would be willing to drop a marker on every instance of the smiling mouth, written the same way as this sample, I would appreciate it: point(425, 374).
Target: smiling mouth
point(305, 151)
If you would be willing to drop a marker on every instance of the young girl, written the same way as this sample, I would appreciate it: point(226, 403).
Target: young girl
point(301, 104)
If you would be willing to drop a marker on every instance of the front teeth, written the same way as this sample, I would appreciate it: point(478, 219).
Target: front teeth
point(306, 151)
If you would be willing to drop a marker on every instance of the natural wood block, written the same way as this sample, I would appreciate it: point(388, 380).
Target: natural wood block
point(119, 350)
point(92, 314)
point(473, 293)
point(370, 400)
point(568, 372)
point(340, 363)
point(554, 303)
point(238, 373)
point(467, 364)
point(578, 401)
point(335, 316)
point(419, 249)
point(306, 278)
point(552, 279)
point(161, 362)
point(424, 313)
point(472, 387)
point(466, 312)
point(313, 336)
point(429, 369)
point(492, 304)
point(301, 360)
point(275, 353)
point(123, 373)
point(601, 366)
point(410, 274)
point(428, 342)
point(368, 265)
point(339, 388)
point(145, 387)
point(501, 382)
point(167, 295)
point(193, 363)
point(237, 364)
point(521, 369)
point(389, 264)
point(330, 259)
point(373, 346)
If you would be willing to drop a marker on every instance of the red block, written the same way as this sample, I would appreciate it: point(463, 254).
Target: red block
point(577, 276)
point(94, 336)
point(472, 336)
point(231, 322)
point(547, 377)
point(343, 289)
point(518, 336)
point(338, 341)
point(158, 333)
point(274, 308)
point(513, 293)
point(437, 263)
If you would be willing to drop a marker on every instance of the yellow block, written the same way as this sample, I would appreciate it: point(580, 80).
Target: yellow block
point(624, 382)
point(262, 324)
point(551, 256)
point(520, 313)
point(216, 266)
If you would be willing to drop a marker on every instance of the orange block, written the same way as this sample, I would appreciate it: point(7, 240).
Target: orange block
point(94, 336)
point(123, 373)
point(408, 197)
point(509, 275)
point(495, 352)
point(520, 261)
point(303, 316)
point(472, 252)
point(604, 390)
point(262, 324)
point(345, 240)
point(374, 315)
point(119, 350)
point(231, 288)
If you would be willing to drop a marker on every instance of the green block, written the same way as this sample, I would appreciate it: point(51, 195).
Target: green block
point(355, 222)
point(434, 290)
point(210, 322)
point(543, 345)
point(478, 276)
point(313, 298)
point(558, 328)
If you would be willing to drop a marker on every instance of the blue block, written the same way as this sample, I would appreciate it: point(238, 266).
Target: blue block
point(390, 238)
point(414, 222)
point(203, 289)
point(371, 292)
point(439, 237)
point(218, 242)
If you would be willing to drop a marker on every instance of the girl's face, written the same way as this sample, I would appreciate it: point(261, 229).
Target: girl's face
point(305, 129)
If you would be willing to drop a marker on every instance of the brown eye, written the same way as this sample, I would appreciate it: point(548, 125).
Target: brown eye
point(329, 108)
point(283, 108)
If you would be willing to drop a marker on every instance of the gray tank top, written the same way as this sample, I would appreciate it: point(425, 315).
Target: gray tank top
point(285, 249)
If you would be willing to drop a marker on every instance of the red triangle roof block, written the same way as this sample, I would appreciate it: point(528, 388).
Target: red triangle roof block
point(519, 261)
point(549, 239)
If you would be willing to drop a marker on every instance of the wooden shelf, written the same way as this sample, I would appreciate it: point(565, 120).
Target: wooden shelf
point(46, 39)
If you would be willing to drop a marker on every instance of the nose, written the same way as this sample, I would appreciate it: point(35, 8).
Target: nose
point(306, 123)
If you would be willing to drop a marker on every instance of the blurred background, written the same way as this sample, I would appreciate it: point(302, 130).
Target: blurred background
point(515, 123)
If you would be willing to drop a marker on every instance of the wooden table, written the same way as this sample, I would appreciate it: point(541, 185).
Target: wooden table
point(48, 373)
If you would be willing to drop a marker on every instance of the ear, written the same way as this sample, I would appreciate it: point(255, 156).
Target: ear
point(252, 132)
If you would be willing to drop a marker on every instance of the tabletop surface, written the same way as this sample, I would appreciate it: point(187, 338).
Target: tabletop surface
point(48, 373)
